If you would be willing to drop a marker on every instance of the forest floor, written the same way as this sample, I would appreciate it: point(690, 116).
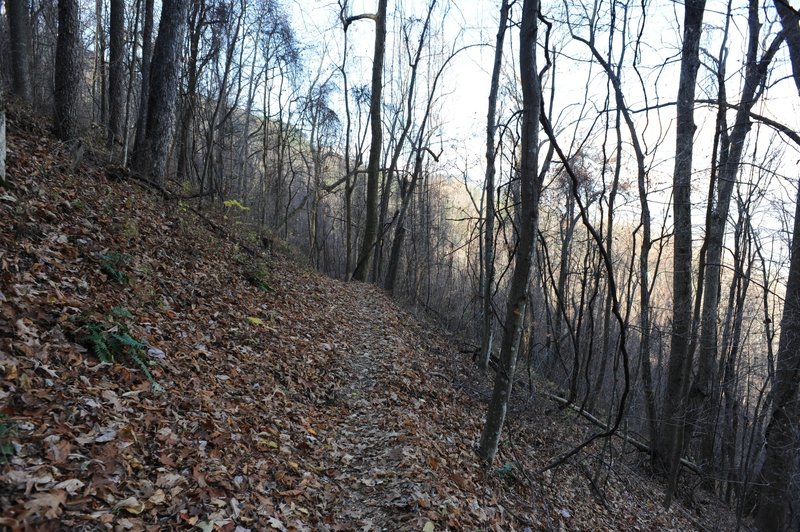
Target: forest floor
point(277, 398)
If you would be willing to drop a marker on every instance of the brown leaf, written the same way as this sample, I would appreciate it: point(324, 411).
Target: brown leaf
point(50, 503)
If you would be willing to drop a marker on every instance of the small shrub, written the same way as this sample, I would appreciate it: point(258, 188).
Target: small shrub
point(110, 340)
point(257, 275)
point(130, 230)
point(234, 209)
point(112, 262)
point(235, 204)
point(6, 430)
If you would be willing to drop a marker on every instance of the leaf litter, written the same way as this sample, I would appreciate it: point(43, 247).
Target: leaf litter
point(316, 405)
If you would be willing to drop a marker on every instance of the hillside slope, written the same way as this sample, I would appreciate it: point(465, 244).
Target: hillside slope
point(290, 400)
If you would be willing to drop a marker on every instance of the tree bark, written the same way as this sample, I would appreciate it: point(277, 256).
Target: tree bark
point(67, 69)
point(680, 360)
point(100, 73)
point(185, 142)
point(729, 162)
point(373, 165)
point(487, 335)
point(20, 34)
point(164, 76)
point(2, 138)
point(116, 75)
point(781, 439)
point(530, 188)
point(144, 91)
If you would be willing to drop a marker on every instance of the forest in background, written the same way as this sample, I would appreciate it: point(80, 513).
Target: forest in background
point(625, 232)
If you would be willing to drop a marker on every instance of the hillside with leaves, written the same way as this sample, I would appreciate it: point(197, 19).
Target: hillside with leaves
point(157, 374)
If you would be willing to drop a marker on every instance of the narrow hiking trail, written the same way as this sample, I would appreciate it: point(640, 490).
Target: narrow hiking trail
point(382, 413)
point(291, 401)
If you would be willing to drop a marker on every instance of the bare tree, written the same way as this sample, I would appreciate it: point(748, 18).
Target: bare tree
point(116, 75)
point(680, 359)
point(373, 165)
point(164, 73)
point(19, 28)
point(614, 76)
point(729, 160)
point(2, 137)
point(781, 435)
point(530, 189)
point(67, 69)
point(487, 335)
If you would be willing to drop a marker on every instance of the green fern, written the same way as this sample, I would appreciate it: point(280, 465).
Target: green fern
point(96, 340)
point(111, 264)
point(121, 312)
point(7, 429)
point(140, 361)
point(108, 341)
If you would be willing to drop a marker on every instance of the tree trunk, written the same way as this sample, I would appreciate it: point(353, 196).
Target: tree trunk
point(99, 75)
point(116, 75)
point(67, 69)
point(2, 138)
point(680, 360)
point(164, 76)
point(400, 231)
point(129, 89)
point(20, 33)
point(373, 166)
point(729, 161)
point(487, 335)
point(144, 92)
point(530, 186)
point(185, 140)
point(781, 440)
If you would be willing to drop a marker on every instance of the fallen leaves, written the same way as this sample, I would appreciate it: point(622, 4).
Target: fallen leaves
point(308, 406)
point(47, 504)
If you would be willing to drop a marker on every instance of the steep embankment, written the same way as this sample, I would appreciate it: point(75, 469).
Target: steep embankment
point(290, 401)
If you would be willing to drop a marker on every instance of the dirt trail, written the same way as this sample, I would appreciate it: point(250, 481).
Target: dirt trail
point(374, 439)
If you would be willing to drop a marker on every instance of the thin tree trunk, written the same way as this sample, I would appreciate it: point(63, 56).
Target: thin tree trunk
point(530, 185)
point(129, 91)
point(400, 231)
point(680, 359)
point(144, 91)
point(185, 135)
point(373, 166)
point(116, 75)
point(100, 81)
point(487, 335)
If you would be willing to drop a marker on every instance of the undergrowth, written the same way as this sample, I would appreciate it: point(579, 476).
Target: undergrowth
point(110, 339)
point(112, 263)
point(6, 431)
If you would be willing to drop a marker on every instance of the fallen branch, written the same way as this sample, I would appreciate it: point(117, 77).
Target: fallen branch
point(634, 442)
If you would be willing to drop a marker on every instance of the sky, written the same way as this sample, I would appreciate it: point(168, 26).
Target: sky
point(466, 82)
point(462, 110)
